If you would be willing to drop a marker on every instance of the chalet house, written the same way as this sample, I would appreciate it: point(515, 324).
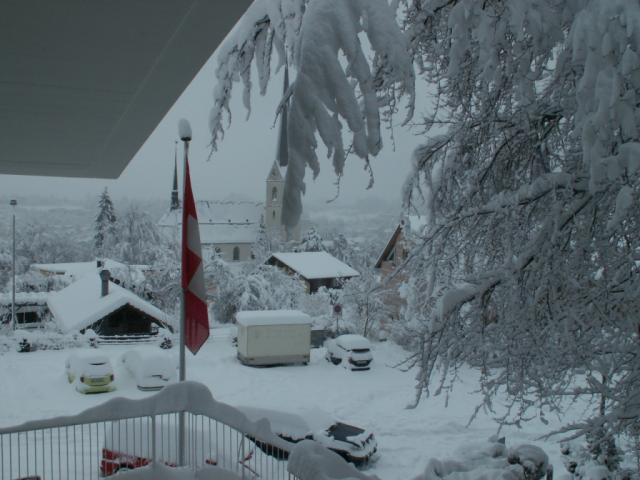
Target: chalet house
point(31, 309)
point(315, 269)
point(94, 302)
point(394, 254)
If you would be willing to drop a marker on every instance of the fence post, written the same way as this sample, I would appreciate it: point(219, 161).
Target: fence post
point(153, 438)
point(244, 456)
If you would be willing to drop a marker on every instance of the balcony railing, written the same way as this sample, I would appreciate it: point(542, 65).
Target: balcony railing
point(125, 434)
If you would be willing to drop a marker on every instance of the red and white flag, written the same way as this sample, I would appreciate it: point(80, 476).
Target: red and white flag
point(195, 303)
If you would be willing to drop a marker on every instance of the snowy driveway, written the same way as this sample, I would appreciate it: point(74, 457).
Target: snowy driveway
point(33, 385)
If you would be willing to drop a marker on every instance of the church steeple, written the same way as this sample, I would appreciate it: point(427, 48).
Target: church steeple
point(175, 200)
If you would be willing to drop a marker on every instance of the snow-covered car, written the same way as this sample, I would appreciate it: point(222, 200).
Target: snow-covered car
point(352, 351)
point(354, 444)
point(127, 445)
point(90, 373)
point(151, 369)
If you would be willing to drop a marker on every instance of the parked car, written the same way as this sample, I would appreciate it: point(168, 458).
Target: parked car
point(354, 444)
point(352, 351)
point(90, 373)
point(127, 445)
point(151, 369)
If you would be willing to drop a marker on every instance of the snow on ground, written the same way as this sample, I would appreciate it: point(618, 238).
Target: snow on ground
point(33, 386)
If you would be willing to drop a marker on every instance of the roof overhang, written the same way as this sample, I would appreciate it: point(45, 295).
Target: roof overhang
point(83, 83)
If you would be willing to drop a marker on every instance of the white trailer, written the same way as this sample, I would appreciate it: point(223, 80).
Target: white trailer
point(273, 337)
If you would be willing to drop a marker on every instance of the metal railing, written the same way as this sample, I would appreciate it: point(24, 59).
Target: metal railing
point(126, 434)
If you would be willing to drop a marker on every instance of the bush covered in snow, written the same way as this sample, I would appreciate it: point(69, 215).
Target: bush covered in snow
point(491, 461)
point(41, 339)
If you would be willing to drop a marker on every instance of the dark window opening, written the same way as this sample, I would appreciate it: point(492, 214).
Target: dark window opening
point(236, 253)
point(26, 318)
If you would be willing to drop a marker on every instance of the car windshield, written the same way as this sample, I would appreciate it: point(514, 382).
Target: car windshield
point(342, 431)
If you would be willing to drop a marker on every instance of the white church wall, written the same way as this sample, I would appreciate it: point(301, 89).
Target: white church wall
point(225, 250)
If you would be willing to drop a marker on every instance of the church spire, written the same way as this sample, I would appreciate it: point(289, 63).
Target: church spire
point(175, 200)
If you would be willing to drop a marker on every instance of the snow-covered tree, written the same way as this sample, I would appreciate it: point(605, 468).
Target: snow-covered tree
point(311, 241)
point(261, 249)
point(261, 287)
point(163, 279)
point(105, 225)
point(364, 302)
point(529, 171)
point(139, 241)
point(349, 58)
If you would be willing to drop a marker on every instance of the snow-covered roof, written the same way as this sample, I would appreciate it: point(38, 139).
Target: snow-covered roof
point(316, 265)
point(81, 304)
point(22, 298)
point(75, 270)
point(223, 221)
point(229, 233)
point(410, 225)
point(272, 317)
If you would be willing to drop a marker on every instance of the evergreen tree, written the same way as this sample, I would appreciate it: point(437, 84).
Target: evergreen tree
point(105, 227)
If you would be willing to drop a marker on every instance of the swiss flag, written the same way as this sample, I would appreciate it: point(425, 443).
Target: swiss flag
point(195, 304)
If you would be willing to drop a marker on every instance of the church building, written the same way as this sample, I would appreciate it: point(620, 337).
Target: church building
point(231, 228)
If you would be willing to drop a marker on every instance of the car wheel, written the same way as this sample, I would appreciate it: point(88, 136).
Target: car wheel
point(336, 361)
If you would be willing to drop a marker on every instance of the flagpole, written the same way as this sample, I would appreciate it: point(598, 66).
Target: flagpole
point(183, 326)
point(185, 136)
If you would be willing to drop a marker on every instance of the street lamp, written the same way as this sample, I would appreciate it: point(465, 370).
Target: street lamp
point(13, 204)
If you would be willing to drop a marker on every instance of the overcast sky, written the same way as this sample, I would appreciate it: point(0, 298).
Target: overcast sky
point(240, 166)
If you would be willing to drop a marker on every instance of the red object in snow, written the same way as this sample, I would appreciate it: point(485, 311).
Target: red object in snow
point(195, 304)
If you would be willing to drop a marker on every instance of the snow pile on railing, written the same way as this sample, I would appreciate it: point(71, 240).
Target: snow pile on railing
point(311, 461)
point(491, 461)
point(191, 397)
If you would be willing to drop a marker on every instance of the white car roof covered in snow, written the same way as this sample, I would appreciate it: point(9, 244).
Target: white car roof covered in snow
point(142, 362)
point(272, 317)
point(316, 265)
point(81, 304)
point(353, 341)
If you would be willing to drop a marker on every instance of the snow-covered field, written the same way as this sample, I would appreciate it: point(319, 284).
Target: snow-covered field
point(33, 385)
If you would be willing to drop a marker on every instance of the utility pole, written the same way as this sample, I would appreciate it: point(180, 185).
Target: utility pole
point(13, 204)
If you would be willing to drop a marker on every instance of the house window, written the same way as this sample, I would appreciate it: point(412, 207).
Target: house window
point(274, 214)
point(274, 194)
point(236, 254)
point(25, 318)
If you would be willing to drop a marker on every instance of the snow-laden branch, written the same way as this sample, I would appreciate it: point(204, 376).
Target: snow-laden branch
point(349, 58)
